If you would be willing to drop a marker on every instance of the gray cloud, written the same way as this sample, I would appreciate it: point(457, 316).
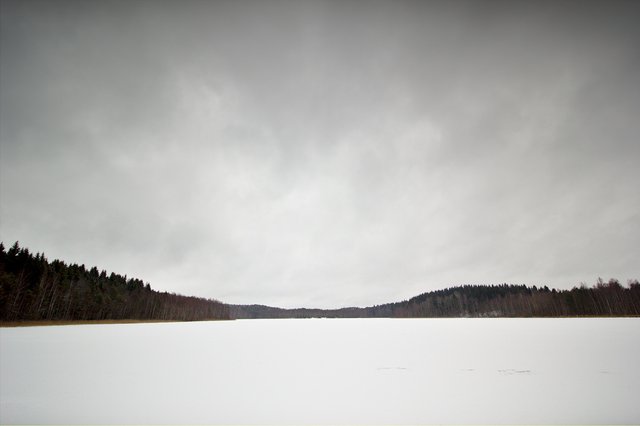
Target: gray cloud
point(323, 153)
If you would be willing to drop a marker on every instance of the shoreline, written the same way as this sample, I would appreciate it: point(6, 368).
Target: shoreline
point(48, 323)
point(45, 323)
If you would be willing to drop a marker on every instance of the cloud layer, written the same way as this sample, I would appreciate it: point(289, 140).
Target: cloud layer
point(323, 153)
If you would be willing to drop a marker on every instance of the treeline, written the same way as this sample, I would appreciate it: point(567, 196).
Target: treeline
point(603, 299)
point(262, 311)
point(32, 288)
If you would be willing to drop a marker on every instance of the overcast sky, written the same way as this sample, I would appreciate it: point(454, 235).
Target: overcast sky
point(324, 153)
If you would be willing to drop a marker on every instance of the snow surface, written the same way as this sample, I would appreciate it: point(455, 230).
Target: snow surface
point(324, 371)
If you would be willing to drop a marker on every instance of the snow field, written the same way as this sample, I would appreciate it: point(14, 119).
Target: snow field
point(324, 371)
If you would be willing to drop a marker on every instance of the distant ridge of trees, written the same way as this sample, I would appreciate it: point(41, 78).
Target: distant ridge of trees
point(604, 299)
point(32, 288)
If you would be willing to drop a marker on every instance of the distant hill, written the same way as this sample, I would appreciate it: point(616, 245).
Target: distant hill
point(604, 299)
point(32, 288)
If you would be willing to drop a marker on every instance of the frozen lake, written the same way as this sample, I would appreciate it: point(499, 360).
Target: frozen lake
point(324, 371)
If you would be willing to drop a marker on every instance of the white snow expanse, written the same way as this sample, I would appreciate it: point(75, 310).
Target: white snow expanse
point(324, 371)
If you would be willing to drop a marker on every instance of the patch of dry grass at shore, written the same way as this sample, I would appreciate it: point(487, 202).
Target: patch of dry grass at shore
point(80, 322)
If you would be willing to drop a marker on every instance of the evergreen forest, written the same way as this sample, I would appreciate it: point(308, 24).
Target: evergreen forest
point(603, 299)
point(35, 289)
point(32, 288)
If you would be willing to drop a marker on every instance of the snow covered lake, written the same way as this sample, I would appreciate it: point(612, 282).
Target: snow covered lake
point(324, 371)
